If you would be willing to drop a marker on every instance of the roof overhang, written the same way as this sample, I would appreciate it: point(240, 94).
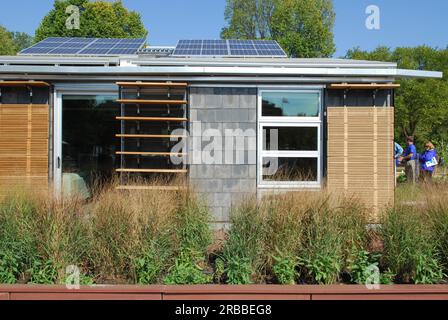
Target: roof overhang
point(134, 66)
point(220, 70)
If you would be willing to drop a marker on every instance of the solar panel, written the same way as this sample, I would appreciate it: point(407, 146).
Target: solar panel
point(236, 48)
point(85, 46)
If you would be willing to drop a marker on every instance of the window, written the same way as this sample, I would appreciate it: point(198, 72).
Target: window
point(289, 142)
point(290, 104)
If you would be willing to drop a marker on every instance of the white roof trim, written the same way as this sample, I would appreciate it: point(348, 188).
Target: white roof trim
point(220, 70)
point(406, 73)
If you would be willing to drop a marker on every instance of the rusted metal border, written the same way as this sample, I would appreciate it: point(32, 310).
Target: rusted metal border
point(224, 292)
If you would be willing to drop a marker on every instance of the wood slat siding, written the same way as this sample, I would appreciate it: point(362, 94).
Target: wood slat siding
point(23, 146)
point(360, 154)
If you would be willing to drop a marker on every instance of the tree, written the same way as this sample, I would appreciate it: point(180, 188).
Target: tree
point(302, 27)
point(12, 42)
point(248, 19)
point(22, 40)
point(7, 45)
point(99, 19)
point(421, 105)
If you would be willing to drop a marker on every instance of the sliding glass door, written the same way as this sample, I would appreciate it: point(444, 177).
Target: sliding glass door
point(85, 142)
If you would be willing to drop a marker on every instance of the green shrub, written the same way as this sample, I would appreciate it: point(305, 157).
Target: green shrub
point(9, 267)
point(401, 178)
point(18, 245)
point(358, 262)
point(192, 239)
point(361, 265)
point(428, 269)
point(285, 267)
point(283, 221)
point(321, 257)
point(191, 225)
point(164, 237)
point(43, 272)
point(132, 235)
point(151, 263)
point(186, 271)
point(243, 250)
point(239, 270)
point(438, 212)
point(220, 269)
point(410, 246)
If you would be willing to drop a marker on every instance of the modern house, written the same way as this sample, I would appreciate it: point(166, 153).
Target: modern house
point(234, 117)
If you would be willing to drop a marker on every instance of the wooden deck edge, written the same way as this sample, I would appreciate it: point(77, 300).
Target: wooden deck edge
point(168, 292)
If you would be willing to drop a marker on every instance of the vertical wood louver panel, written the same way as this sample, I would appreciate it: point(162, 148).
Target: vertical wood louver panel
point(360, 154)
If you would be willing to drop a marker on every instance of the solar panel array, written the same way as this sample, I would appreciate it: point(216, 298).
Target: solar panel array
point(85, 46)
point(259, 48)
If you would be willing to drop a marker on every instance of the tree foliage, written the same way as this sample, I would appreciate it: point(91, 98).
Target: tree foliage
point(12, 42)
point(99, 19)
point(22, 40)
point(421, 105)
point(7, 46)
point(302, 27)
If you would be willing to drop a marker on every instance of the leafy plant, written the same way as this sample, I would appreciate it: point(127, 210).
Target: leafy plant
point(150, 264)
point(285, 268)
point(239, 270)
point(428, 270)
point(186, 271)
point(358, 263)
point(362, 264)
point(220, 268)
point(322, 268)
point(43, 272)
point(147, 268)
point(9, 268)
point(401, 178)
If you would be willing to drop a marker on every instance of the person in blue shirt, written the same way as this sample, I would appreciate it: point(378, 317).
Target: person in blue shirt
point(410, 159)
point(428, 162)
point(398, 151)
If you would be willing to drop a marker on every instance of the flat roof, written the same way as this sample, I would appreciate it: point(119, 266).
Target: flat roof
point(144, 65)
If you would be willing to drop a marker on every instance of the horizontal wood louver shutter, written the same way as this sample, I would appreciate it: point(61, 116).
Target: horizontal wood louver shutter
point(360, 154)
point(23, 142)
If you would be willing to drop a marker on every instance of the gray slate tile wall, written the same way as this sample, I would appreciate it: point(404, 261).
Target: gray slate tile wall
point(223, 183)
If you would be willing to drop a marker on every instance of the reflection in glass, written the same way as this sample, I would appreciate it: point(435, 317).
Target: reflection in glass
point(88, 141)
point(290, 104)
point(289, 169)
point(290, 138)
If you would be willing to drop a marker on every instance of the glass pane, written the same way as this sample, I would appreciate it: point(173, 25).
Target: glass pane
point(88, 142)
point(290, 104)
point(289, 169)
point(290, 138)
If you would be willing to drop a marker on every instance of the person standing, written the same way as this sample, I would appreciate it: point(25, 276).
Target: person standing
point(428, 162)
point(398, 151)
point(410, 160)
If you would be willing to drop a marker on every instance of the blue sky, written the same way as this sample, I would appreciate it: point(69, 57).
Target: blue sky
point(403, 22)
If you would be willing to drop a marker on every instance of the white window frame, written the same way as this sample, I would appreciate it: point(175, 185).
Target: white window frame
point(287, 121)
